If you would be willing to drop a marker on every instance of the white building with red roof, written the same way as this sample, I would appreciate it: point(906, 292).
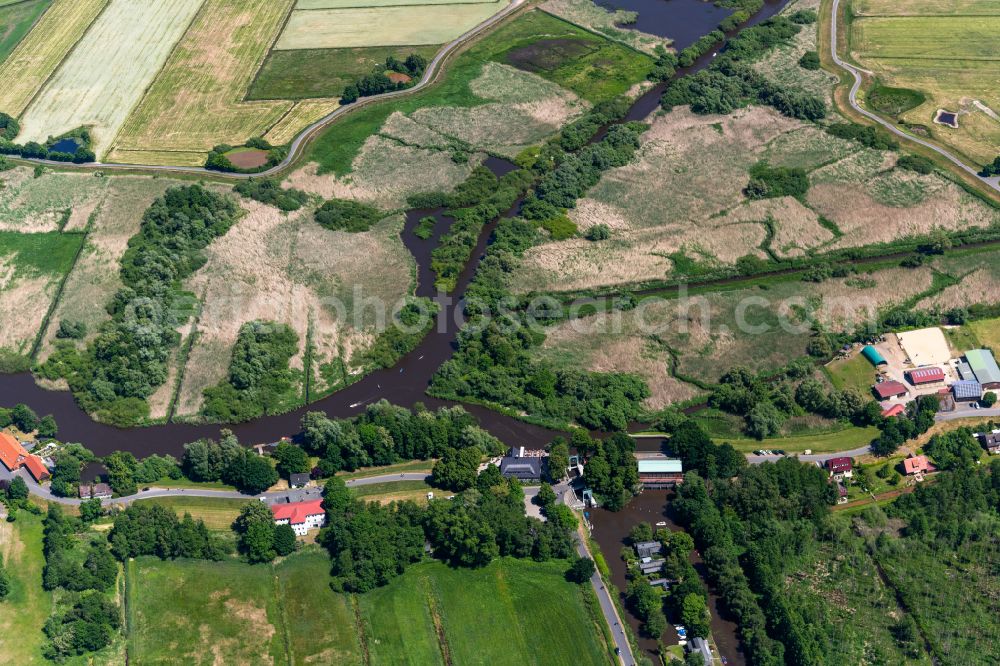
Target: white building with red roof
point(302, 516)
point(14, 457)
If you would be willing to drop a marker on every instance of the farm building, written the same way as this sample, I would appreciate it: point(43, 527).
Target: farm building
point(873, 356)
point(990, 441)
point(14, 457)
point(926, 346)
point(984, 366)
point(895, 410)
point(302, 516)
point(917, 465)
point(840, 468)
point(660, 472)
point(967, 389)
point(890, 389)
point(926, 376)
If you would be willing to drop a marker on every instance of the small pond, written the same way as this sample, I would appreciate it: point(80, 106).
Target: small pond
point(65, 146)
point(683, 21)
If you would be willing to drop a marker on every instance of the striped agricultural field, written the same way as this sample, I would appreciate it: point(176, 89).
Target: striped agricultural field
point(399, 25)
point(196, 101)
point(107, 73)
point(343, 4)
point(39, 54)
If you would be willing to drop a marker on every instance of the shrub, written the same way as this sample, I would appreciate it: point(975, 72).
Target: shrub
point(803, 17)
point(343, 215)
point(992, 169)
point(866, 136)
point(915, 163)
point(767, 181)
point(74, 330)
point(809, 60)
point(9, 127)
point(560, 228)
point(269, 191)
point(599, 232)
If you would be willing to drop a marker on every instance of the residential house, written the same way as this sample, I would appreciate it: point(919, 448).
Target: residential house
point(648, 565)
point(298, 480)
point(990, 441)
point(895, 410)
point(840, 468)
point(648, 548)
point(95, 490)
point(302, 516)
point(700, 646)
point(523, 469)
point(918, 465)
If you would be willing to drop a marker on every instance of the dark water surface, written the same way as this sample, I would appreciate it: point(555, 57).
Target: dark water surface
point(65, 146)
point(682, 21)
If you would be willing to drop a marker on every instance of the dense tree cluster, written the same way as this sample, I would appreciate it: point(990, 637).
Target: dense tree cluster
point(24, 418)
point(345, 215)
point(227, 461)
point(153, 529)
point(768, 182)
point(386, 434)
point(809, 60)
point(125, 473)
point(477, 200)
point(917, 420)
point(258, 537)
point(730, 81)
point(954, 450)
point(379, 80)
point(915, 163)
point(127, 361)
point(868, 136)
point(612, 471)
point(71, 330)
point(91, 619)
point(269, 191)
point(693, 446)
point(260, 381)
point(765, 403)
point(9, 129)
point(370, 544)
point(991, 169)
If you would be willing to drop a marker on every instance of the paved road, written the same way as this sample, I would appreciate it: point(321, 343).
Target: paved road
point(295, 148)
point(44, 493)
point(814, 457)
point(608, 607)
point(852, 98)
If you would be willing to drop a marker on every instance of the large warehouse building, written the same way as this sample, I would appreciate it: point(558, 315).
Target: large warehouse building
point(984, 367)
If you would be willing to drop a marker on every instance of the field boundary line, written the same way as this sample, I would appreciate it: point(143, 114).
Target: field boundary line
point(852, 94)
point(296, 148)
point(141, 98)
point(260, 67)
point(69, 54)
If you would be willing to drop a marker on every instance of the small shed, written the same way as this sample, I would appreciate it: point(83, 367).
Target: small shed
point(298, 480)
point(874, 356)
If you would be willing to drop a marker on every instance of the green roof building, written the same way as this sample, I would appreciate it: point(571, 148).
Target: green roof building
point(984, 366)
point(873, 356)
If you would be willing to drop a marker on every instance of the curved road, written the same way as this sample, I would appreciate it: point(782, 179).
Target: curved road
point(295, 148)
point(852, 98)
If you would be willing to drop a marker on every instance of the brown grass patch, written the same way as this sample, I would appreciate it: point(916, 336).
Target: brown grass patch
point(23, 303)
point(978, 287)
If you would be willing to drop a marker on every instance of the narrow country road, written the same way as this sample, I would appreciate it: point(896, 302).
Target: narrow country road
point(295, 148)
point(852, 98)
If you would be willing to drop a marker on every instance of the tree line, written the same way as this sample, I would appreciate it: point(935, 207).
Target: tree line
point(379, 80)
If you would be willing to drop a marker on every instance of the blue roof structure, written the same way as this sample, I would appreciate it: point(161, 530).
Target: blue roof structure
point(967, 390)
point(873, 356)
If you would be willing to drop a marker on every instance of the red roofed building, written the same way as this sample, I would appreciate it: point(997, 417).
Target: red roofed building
point(302, 516)
point(924, 376)
point(840, 468)
point(895, 410)
point(14, 457)
point(918, 465)
point(890, 389)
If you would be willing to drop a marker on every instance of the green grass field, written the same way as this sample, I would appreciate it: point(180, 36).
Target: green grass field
point(218, 513)
point(49, 253)
point(856, 373)
point(840, 440)
point(24, 611)
point(309, 73)
point(602, 73)
point(16, 19)
point(987, 333)
point(510, 612)
point(947, 51)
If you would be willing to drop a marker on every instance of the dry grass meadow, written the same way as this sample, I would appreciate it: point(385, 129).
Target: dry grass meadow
point(106, 74)
point(53, 202)
point(39, 54)
point(684, 194)
point(24, 300)
point(398, 25)
point(196, 101)
point(705, 335)
point(94, 279)
point(413, 153)
point(285, 268)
